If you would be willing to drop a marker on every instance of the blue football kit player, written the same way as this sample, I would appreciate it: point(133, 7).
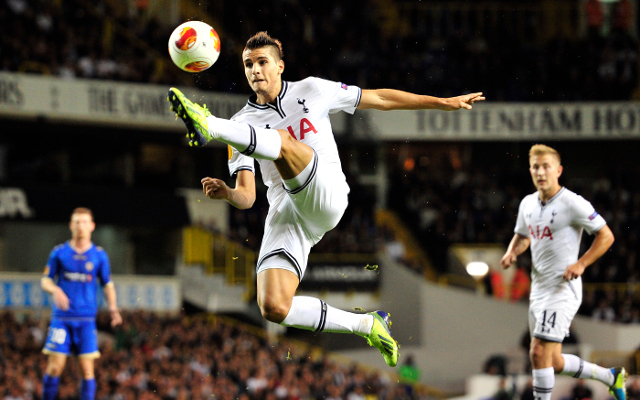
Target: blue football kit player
point(70, 277)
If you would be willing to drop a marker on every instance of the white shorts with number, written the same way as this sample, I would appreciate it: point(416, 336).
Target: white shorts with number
point(550, 316)
point(299, 218)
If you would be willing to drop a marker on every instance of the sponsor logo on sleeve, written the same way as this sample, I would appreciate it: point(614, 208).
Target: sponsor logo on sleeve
point(593, 216)
point(344, 86)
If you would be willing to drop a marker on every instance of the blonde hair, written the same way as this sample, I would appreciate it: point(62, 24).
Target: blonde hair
point(82, 210)
point(542, 149)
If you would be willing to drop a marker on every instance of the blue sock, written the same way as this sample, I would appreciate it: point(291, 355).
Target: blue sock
point(88, 389)
point(50, 387)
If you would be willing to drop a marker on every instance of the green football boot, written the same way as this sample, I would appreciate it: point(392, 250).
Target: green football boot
point(380, 337)
point(193, 116)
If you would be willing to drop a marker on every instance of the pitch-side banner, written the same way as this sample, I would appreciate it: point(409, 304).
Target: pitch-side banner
point(103, 102)
point(156, 293)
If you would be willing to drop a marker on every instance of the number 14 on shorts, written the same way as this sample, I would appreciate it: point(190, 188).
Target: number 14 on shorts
point(547, 321)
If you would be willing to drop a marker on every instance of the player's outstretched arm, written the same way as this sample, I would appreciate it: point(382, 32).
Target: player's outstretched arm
point(242, 197)
point(517, 246)
point(604, 239)
point(391, 99)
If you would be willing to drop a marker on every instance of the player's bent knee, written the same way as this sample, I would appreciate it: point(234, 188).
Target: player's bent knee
point(54, 369)
point(274, 311)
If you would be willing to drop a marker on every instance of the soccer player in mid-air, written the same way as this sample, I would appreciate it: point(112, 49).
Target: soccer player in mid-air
point(551, 220)
point(286, 127)
point(70, 277)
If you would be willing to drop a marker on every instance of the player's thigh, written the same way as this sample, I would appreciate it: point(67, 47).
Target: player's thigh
point(549, 320)
point(276, 285)
point(59, 338)
point(322, 202)
point(85, 338)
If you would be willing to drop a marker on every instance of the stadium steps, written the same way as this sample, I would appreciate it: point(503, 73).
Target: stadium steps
point(211, 292)
point(414, 252)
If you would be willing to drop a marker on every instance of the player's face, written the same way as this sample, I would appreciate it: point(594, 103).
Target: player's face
point(81, 225)
point(263, 70)
point(545, 171)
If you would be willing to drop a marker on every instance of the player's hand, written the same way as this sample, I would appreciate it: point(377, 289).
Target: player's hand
point(60, 299)
point(215, 189)
point(464, 101)
point(508, 260)
point(573, 271)
point(116, 318)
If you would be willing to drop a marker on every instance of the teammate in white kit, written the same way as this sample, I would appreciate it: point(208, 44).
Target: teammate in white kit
point(286, 127)
point(551, 220)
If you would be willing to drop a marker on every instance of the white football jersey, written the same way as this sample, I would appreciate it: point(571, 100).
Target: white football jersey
point(302, 108)
point(555, 230)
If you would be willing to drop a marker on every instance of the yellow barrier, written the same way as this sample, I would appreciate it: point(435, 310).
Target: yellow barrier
point(219, 255)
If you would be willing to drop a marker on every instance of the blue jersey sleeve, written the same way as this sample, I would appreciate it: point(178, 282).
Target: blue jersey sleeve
point(104, 272)
point(52, 269)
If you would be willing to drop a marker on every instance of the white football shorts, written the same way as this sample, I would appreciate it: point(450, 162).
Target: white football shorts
point(299, 218)
point(550, 316)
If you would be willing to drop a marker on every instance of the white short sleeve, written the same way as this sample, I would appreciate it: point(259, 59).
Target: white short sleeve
point(521, 225)
point(583, 214)
point(239, 162)
point(339, 96)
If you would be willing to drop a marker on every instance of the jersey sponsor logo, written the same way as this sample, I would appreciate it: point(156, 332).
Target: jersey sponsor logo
point(77, 277)
point(305, 127)
point(536, 234)
point(593, 216)
point(89, 266)
point(344, 86)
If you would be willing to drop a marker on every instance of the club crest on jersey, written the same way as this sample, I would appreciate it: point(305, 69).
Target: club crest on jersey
point(89, 266)
point(593, 216)
point(344, 86)
point(553, 215)
point(304, 108)
point(537, 234)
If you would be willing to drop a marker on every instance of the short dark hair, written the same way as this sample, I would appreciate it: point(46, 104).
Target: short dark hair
point(82, 210)
point(262, 39)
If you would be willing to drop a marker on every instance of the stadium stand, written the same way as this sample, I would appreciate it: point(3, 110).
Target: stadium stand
point(73, 39)
point(177, 357)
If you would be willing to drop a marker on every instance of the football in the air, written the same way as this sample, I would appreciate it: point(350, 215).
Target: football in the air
point(194, 46)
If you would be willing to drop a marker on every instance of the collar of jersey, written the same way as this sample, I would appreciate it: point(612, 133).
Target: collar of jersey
point(276, 105)
point(555, 196)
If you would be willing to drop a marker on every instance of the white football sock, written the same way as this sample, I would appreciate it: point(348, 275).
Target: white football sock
point(543, 381)
point(252, 141)
point(576, 367)
point(314, 314)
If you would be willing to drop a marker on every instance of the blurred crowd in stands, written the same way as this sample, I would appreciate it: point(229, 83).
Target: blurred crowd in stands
point(336, 40)
point(154, 357)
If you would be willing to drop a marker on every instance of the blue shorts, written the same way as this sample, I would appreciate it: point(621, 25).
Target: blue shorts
point(77, 336)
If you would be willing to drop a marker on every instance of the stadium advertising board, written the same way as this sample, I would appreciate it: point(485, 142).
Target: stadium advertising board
point(340, 277)
point(105, 102)
point(22, 290)
point(509, 121)
point(145, 106)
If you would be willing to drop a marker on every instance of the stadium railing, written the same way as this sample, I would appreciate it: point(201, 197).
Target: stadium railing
point(219, 255)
